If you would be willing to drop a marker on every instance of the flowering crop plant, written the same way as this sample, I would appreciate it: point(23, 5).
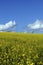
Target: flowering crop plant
point(21, 48)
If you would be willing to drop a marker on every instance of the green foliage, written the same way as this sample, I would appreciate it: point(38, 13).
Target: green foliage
point(21, 49)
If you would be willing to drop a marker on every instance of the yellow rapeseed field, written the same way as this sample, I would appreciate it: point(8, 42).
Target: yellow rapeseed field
point(21, 48)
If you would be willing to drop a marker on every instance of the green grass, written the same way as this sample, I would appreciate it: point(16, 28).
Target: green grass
point(21, 49)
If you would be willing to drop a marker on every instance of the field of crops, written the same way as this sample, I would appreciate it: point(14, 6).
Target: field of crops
point(21, 49)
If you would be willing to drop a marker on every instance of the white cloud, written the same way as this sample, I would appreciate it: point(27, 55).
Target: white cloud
point(7, 25)
point(38, 24)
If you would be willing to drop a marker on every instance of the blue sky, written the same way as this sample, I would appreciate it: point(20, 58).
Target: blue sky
point(24, 12)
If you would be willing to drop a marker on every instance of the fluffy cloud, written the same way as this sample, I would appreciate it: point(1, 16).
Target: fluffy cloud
point(38, 24)
point(7, 25)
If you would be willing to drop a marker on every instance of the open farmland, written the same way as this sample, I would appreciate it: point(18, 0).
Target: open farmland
point(21, 49)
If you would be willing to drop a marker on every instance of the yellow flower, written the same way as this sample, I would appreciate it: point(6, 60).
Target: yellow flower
point(23, 55)
point(32, 64)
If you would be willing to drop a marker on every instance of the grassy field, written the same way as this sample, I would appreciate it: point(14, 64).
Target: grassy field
point(21, 49)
